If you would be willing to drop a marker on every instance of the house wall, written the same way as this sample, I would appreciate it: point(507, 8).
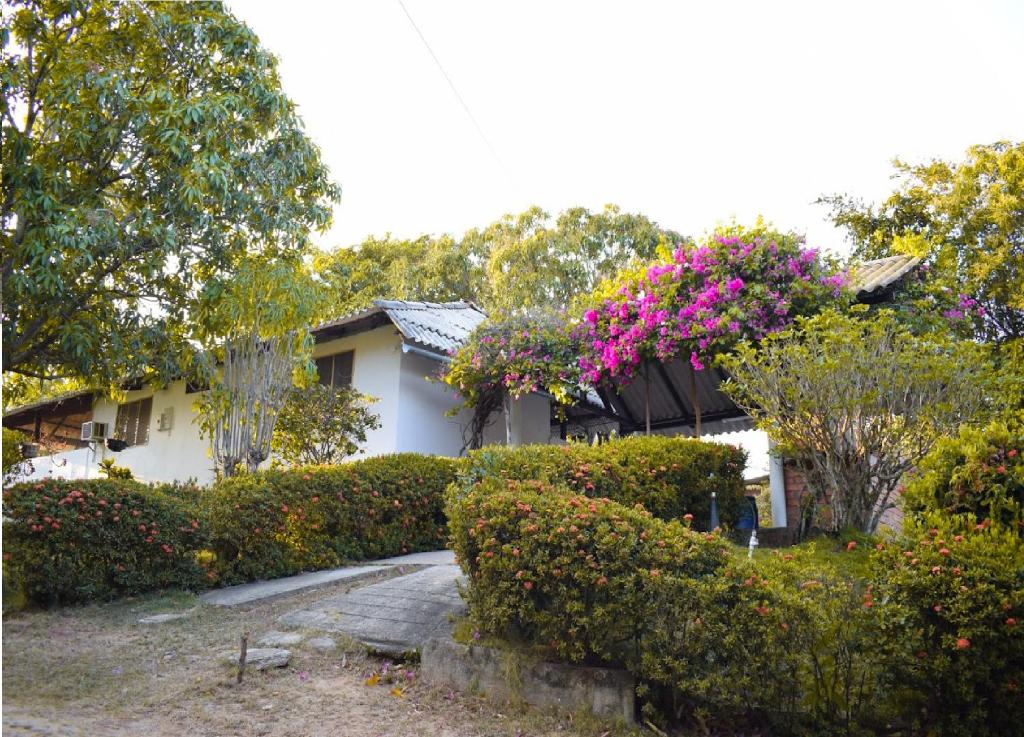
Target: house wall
point(424, 425)
point(412, 411)
point(376, 371)
point(177, 454)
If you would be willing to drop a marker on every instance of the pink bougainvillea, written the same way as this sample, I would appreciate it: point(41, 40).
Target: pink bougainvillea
point(703, 300)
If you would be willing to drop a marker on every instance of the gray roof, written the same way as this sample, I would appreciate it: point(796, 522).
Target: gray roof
point(441, 326)
point(49, 402)
point(874, 277)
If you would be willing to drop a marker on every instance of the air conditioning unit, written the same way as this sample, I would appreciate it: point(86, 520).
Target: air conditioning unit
point(94, 431)
point(166, 420)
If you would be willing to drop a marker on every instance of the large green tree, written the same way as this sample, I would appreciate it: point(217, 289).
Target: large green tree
point(147, 148)
point(966, 219)
point(524, 261)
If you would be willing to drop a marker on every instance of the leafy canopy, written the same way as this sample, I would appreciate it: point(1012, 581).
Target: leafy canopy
point(322, 425)
point(148, 148)
point(966, 219)
point(858, 403)
point(522, 261)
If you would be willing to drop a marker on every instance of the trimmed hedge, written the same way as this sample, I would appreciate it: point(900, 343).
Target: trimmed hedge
point(581, 576)
point(276, 523)
point(670, 476)
point(980, 472)
point(918, 636)
point(76, 541)
point(951, 626)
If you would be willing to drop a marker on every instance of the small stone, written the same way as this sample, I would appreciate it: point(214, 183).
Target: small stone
point(161, 618)
point(279, 639)
point(322, 644)
point(259, 658)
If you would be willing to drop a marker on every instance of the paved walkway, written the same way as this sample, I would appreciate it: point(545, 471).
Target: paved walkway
point(261, 590)
point(394, 616)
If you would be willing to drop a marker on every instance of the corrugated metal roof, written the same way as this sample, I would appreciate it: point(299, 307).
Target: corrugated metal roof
point(444, 326)
point(870, 277)
point(671, 402)
point(51, 402)
point(441, 326)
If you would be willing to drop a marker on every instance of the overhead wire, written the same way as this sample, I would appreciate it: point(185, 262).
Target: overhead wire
point(455, 91)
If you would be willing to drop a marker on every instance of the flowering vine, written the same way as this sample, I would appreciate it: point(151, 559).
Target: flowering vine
point(703, 300)
point(511, 358)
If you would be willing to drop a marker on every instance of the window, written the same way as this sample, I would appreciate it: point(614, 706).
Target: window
point(335, 371)
point(132, 424)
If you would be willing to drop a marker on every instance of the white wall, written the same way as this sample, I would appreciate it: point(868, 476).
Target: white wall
point(72, 464)
point(412, 411)
point(376, 369)
point(177, 454)
point(531, 423)
point(423, 424)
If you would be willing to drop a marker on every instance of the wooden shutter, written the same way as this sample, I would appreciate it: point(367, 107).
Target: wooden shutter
point(343, 370)
point(133, 419)
point(121, 425)
point(144, 416)
point(324, 370)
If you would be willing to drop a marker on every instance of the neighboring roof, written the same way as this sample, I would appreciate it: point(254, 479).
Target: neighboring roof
point(441, 326)
point(50, 402)
point(875, 277)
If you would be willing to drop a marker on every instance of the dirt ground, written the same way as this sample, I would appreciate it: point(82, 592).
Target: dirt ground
point(95, 672)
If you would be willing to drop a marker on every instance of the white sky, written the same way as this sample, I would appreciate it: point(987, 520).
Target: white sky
point(687, 112)
point(690, 113)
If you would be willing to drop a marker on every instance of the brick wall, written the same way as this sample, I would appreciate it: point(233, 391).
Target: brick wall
point(796, 487)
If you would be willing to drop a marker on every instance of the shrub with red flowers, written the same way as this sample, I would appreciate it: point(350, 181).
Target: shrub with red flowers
point(591, 580)
point(280, 522)
point(512, 358)
point(585, 578)
point(950, 595)
point(701, 301)
point(669, 476)
point(918, 635)
point(980, 471)
point(75, 541)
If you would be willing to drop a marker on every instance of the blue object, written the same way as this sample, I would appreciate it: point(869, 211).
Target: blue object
point(748, 515)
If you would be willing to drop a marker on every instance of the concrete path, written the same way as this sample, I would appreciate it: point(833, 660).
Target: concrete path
point(394, 616)
point(432, 558)
point(247, 593)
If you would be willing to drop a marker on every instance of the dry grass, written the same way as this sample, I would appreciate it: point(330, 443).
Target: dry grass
point(94, 671)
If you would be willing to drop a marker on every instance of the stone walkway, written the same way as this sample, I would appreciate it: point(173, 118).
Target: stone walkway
point(247, 593)
point(394, 616)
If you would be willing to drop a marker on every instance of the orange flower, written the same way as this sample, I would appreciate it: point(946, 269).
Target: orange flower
point(963, 643)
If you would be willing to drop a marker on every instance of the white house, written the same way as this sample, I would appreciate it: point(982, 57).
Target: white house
point(392, 351)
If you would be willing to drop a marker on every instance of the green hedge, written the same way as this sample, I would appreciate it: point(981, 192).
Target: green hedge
point(74, 541)
point(981, 472)
point(918, 636)
point(583, 577)
point(670, 476)
point(277, 523)
point(951, 625)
